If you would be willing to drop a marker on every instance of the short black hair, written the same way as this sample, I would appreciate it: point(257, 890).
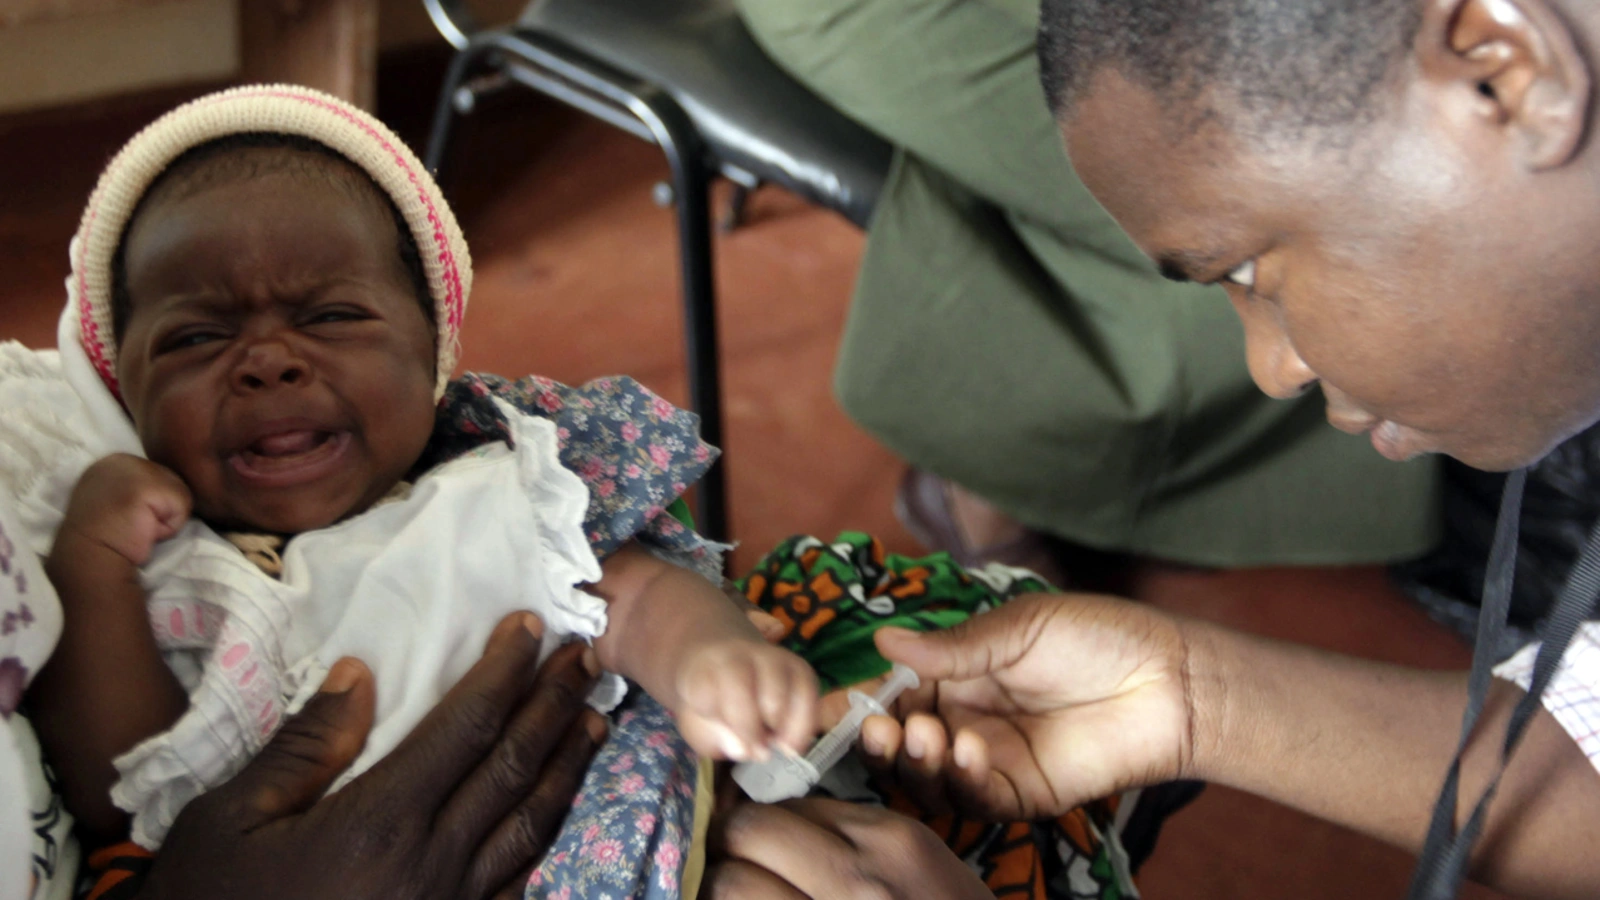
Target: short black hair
point(220, 161)
point(1283, 66)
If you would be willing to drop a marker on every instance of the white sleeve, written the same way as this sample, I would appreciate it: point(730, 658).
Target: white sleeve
point(40, 861)
point(16, 837)
point(38, 856)
point(1573, 696)
point(559, 499)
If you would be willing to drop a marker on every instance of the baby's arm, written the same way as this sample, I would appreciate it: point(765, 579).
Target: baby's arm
point(695, 651)
point(106, 688)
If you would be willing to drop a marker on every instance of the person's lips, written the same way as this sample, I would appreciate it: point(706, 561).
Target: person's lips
point(1395, 442)
point(1353, 423)
point(285, 456)
point(1392, 441)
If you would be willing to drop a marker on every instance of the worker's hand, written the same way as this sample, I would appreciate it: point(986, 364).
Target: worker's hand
point(825, 848)
point(463, 808)
point(1036, 707)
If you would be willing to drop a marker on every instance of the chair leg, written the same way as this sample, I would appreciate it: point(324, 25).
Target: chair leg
point(733, 215)
point(691, 185)
point(665, 123)
point(700, 327)
point(444, 111)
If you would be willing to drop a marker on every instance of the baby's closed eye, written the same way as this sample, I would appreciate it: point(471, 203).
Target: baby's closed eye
point(332, 314)
point(192, 336)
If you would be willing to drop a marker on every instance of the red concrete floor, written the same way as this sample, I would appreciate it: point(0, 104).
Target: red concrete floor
point(576, 278)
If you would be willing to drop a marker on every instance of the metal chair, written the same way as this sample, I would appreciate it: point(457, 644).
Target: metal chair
point(686, 76)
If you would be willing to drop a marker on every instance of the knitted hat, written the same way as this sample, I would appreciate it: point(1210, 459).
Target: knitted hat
point(278, 109)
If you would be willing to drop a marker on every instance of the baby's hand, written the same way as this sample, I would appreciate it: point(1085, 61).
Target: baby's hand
point(128, 505)
point(740, 694)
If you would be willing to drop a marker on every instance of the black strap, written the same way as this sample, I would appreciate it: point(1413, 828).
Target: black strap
point(1445, 853)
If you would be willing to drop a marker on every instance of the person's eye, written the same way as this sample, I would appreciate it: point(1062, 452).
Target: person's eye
point(1243, 275)
point(329, 314)
point(189, 337)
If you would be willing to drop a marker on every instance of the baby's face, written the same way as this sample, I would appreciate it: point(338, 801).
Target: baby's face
point(275, 355)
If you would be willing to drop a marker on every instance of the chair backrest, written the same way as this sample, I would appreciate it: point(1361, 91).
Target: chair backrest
point(453, 19)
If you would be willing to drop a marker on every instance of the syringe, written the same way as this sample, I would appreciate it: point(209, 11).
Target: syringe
point(784, 776)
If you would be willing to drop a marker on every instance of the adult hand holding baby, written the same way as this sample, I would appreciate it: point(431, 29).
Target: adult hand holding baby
point(462, 808)
point(817, 847)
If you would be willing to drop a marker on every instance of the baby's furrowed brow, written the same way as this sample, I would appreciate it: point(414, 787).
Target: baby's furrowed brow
point(204, 303)
point(207, 305)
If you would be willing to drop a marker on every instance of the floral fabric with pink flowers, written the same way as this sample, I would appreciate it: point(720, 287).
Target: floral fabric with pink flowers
point(631, 825)
point(636, 452)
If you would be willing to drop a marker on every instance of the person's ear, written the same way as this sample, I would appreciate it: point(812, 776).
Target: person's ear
point(1514, 65)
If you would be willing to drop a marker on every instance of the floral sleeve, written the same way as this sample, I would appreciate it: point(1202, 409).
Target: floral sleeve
point(636, 452)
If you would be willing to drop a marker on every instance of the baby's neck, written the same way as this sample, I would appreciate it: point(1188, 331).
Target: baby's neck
point(264, 547)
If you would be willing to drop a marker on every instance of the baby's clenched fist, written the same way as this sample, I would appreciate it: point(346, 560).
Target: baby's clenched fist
point(127, 505)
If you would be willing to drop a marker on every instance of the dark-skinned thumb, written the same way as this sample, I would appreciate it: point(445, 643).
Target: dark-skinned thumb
point(296, 767)
point(971, 649)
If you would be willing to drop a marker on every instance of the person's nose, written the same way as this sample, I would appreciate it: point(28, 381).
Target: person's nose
point(269, 361)
point(1275, 366)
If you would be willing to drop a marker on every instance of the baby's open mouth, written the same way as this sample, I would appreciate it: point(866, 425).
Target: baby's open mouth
point(290, 456)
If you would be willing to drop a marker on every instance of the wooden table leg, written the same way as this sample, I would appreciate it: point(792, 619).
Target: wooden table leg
point(331, 45)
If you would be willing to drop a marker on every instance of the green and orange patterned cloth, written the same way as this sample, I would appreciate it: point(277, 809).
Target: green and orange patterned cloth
point(831, 597)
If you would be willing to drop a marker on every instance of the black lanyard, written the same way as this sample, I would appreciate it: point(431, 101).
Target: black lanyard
point(1444, 857)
